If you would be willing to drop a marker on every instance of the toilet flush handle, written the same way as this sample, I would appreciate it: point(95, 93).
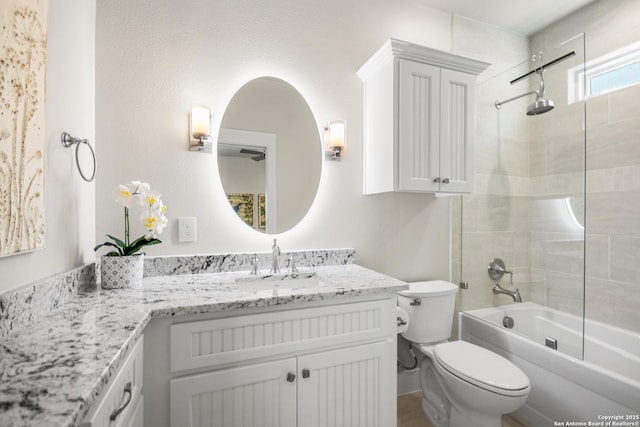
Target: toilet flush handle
point(416, 301)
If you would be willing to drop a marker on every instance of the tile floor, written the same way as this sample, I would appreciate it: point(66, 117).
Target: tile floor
point(410, 413)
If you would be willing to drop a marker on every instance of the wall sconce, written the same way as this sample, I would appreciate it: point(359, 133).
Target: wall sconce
point(334, 139)
point(200, 130)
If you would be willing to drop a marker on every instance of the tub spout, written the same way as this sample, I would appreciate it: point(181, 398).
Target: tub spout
point(497, 289)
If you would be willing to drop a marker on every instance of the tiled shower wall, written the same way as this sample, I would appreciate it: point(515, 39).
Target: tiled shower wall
point(533, 162)
point(612, 290)
point(495, 218)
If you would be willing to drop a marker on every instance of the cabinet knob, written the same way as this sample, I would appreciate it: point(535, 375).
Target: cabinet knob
point(445, 181)
point(306, 373)
point(437, 179)
point(291, 377)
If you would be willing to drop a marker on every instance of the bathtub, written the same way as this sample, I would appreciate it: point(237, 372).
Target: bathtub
point(564, 386)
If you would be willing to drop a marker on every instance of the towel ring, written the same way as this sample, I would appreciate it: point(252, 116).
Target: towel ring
point(67, 141)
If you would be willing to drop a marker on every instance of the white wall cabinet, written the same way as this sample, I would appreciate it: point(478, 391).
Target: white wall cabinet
point(315, 365)
point(419, 120)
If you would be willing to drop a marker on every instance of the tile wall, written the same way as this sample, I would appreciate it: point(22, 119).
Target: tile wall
point(535, 163)
point(612, 287)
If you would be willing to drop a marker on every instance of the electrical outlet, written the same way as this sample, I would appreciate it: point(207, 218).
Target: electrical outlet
point(187, 230)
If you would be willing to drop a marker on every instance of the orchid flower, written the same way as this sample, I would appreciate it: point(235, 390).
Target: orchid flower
point(152, 217)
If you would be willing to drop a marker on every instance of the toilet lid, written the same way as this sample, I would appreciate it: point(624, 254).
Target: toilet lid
point(432, 288)
point(481, 367)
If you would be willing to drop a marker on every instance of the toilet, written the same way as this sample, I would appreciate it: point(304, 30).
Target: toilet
point(462, 384)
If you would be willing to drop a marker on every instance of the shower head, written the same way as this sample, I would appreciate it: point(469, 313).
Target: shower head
point(541, 106)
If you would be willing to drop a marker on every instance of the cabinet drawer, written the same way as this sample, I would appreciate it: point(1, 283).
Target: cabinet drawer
point(220, 341)
point(116, 397)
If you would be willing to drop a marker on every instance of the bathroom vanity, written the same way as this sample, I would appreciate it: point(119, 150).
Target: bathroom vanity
point(297, 364)
point(193, 346)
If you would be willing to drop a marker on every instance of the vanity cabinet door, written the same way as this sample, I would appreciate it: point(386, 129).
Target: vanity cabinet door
point(260, 395)
point(350, 387)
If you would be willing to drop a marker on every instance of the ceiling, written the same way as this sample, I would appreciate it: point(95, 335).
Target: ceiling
point(523, 16)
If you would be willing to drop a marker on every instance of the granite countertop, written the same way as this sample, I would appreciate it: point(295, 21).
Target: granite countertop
point(52, 370)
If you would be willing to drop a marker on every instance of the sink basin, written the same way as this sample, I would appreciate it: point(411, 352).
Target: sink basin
point(278, 281)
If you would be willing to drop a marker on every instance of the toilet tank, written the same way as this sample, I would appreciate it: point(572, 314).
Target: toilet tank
point(430, 307)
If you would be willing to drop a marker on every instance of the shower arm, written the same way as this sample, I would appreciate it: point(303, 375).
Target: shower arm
point(499, 104)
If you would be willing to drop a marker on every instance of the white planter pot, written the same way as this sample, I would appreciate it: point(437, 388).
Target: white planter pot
point(121, 271)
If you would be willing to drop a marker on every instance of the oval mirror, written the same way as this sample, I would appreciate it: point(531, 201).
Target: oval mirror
point(269, 155)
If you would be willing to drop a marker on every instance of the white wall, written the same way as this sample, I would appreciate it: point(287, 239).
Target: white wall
point(69, 201)
point(156, 59)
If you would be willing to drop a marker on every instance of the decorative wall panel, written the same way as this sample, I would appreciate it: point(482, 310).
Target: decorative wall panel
point(23, 49)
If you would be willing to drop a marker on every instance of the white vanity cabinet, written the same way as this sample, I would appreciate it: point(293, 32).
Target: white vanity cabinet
point(419, 124)
point(319, 365)
point(122, 402)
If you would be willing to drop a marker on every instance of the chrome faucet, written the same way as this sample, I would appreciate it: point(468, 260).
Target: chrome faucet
point(497, 289)
point(497, 270)
point(254, 265)
point(275, 253)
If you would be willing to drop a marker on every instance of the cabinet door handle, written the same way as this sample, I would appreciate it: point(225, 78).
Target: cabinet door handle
point(445, 181)
point(306, 373)
point(117, 412)
point(436, 179)
point(291, 377)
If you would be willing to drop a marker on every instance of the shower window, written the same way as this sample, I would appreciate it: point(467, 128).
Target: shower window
point(615, 79)
point(616, 70)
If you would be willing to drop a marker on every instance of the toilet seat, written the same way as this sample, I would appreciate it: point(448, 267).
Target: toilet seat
point(481, 368)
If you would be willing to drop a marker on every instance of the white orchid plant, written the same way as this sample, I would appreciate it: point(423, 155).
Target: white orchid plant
point(152, 215)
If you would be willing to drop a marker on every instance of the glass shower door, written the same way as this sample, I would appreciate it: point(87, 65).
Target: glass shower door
point(528, 205)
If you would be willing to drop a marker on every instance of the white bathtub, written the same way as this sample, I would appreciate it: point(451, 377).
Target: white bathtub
point(564, 386)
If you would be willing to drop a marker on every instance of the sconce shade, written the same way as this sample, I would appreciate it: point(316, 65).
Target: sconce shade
point(336, 133)
point(334, 139)
point(200, 122)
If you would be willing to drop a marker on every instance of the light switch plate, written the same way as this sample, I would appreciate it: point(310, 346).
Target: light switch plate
point(187, 229)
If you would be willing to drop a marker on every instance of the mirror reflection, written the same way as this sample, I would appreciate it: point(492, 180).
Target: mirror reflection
point(269, 155)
